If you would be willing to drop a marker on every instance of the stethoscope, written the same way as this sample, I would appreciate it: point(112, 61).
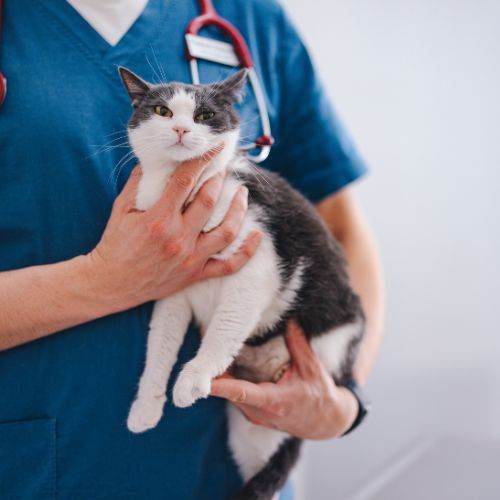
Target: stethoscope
point(231, 54)
point(3, 80)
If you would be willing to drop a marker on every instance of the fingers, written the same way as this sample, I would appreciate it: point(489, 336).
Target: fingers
point(215, 268)
point(239, 391)
point(182, 182)
point(227, 231)
point(303, 357)
point(260, 403)
point(126, 199)
point(200, 209)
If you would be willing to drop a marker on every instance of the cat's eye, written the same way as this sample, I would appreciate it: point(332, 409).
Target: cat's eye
point(204, 115)
point(163, 111)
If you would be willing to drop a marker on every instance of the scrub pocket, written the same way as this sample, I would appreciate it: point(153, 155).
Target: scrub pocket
point(28, 460)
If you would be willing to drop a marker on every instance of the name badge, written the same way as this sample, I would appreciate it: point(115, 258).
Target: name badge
point(212, 50)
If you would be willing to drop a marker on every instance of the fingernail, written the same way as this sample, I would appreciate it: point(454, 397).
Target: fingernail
point(244, 191)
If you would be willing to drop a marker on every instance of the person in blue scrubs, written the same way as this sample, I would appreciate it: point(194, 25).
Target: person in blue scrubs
point(73, 330)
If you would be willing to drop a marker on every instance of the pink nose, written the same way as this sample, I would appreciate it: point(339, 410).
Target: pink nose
point(181, 131)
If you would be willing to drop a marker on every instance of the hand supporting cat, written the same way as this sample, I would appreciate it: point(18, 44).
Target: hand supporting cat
point(165, 242)
point(325, 411)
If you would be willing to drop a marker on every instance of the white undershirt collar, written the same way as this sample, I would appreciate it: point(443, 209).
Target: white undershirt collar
point(110, 18)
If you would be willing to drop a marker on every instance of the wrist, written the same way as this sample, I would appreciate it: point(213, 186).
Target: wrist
point(338, 413)
point(101, 288)
point(347, 409)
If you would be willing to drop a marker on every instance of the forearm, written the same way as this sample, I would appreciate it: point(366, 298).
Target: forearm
point(40, 300)
point(366, 275)
point(343, 215)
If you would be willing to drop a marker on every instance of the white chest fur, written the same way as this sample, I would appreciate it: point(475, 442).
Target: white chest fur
point(151, 187)
point(154, 181)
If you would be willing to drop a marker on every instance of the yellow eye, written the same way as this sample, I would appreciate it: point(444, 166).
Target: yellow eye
point(163, 111)
point(204, 115)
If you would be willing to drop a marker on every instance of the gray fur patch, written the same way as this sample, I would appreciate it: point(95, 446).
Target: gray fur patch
point(217, 98)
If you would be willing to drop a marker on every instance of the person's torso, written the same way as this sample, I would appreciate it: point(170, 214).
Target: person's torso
point(63, 159)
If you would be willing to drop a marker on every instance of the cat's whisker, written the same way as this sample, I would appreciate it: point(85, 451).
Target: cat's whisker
point(102, 147)
point(117, 169)
point(105, 148)
point(121, 131)
point(160, 68)
point(155, 74)
point(128, 156)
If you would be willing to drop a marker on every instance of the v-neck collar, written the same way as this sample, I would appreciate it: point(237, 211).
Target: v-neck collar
point(139, 35)
point(110, 18)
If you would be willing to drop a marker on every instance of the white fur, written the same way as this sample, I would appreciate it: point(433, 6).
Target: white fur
point(283, 300)
point(251, 445)
point(331, 347)
point(229, 309)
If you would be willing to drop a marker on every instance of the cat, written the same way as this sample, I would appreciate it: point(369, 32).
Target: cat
point(297, 273)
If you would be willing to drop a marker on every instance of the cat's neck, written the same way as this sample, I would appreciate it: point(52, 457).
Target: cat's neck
point(156, 175)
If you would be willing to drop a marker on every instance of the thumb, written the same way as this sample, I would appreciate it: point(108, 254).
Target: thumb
point(303, 358)
point(125, 201)
point(239, 391)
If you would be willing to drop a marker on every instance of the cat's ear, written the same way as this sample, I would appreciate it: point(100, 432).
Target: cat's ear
point(234, 86)
point(136, 86)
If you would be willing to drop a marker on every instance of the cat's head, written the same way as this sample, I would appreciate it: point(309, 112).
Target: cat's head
point(174, 122)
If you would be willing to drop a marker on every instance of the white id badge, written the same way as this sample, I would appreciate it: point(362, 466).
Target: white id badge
point(201, 47)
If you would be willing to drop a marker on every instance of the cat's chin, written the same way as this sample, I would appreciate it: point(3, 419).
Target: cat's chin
point(179, 153)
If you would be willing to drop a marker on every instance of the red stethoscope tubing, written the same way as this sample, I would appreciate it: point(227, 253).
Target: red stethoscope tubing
point(209, 16)
point(3, 81)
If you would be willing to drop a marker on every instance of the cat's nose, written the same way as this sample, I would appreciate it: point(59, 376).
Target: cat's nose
point(180, 131)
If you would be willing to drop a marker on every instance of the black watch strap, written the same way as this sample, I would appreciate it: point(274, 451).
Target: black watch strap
point(363, 404)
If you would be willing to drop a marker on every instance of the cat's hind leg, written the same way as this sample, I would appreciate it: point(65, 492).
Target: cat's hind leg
point(169, 322)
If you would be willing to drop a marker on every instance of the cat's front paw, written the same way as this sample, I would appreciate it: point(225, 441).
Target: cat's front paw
point(145, 413)
point(191, 385)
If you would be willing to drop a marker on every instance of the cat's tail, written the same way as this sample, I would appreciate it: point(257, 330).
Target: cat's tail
point(272, 477)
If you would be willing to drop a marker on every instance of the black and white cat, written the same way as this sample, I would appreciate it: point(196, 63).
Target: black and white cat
point(298, 272)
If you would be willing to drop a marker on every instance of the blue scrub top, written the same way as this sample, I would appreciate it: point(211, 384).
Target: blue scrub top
point(64, 399)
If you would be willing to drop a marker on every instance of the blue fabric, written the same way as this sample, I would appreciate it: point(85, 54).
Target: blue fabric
point(64, 399)
point(287, 492)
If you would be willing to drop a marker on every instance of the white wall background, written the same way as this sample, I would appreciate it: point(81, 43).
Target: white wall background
point(417, 82)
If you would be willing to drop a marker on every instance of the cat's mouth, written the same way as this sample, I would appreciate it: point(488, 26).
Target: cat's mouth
point(179, 145)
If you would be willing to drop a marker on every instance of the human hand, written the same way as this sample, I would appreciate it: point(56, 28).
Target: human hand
point(305, 402)
point(147, 255)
